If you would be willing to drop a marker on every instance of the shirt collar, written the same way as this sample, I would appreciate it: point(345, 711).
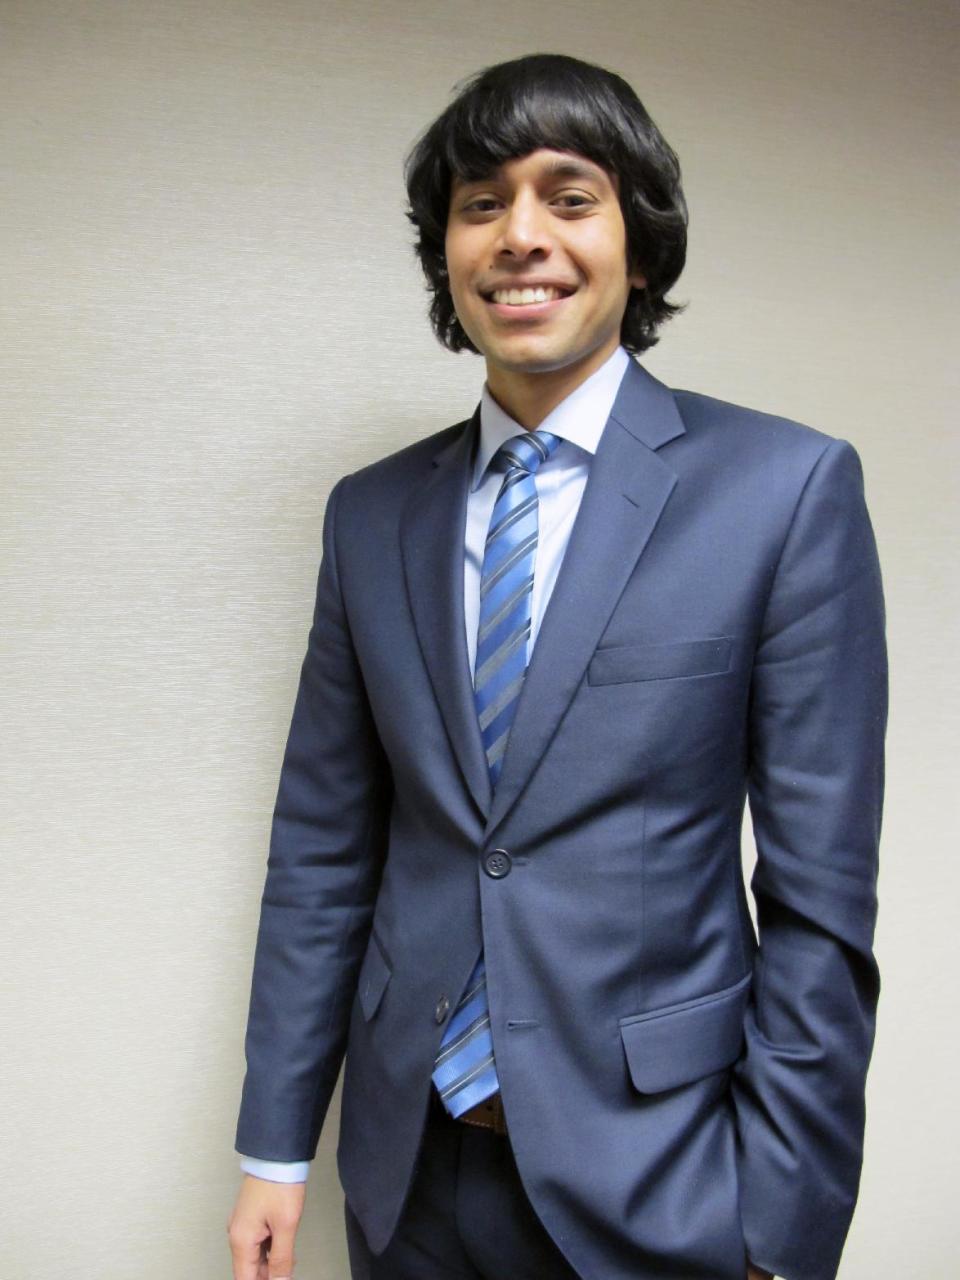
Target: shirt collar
point(580, 418)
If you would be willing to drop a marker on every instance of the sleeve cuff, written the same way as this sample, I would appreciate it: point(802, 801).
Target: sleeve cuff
point(276, 1170)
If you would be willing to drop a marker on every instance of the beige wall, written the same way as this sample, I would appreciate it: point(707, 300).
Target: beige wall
point(210, 312)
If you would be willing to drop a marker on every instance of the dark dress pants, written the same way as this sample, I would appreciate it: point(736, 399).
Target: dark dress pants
point(467, 1216)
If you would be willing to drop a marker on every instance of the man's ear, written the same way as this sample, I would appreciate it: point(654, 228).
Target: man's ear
point(637, 279)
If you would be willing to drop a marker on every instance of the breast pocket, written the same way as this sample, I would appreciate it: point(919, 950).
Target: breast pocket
point(622, 663)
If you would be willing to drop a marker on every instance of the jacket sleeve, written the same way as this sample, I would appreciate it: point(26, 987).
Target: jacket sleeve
point(818, 712)
point(327, 848)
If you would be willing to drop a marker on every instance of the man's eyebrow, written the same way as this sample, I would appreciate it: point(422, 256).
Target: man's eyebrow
point(569, 167)
point(558, 167)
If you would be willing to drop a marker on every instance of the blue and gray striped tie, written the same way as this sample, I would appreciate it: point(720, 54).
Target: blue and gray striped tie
point(464, 1072)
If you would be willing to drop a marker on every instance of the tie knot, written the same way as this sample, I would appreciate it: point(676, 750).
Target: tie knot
point(525, 452)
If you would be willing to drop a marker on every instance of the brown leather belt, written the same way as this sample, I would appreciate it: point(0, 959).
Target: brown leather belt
point(487, 1114)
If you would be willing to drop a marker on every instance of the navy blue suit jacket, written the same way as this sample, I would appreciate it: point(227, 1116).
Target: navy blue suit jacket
point(675, 1095)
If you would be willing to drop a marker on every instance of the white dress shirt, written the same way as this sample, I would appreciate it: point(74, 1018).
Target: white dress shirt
point(578, 421)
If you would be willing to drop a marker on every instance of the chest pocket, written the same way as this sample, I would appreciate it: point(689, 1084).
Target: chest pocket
point(622, 663)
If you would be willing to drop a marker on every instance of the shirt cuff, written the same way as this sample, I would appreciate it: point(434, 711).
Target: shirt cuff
point(276, 1170)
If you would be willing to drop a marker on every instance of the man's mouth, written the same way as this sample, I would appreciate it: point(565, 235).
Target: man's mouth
point(527, 297)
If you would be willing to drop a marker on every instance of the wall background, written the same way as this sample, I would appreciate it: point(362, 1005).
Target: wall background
point(210, 312)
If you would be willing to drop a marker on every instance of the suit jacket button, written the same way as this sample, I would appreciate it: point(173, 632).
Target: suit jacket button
point(497, 864)
point(442, 1009)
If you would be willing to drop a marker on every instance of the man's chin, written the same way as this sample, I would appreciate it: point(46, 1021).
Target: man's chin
point(535, 360)
point(531, 356)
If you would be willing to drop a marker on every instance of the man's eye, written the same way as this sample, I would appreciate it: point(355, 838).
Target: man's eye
point(475, 205)
point(581, 200)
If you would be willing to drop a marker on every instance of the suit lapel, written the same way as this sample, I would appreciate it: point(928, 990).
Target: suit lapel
point(431, 541)
point(626, 491)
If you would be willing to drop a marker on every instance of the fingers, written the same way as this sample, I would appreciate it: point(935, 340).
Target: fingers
point(280, 1258)
point(247, 1255)
point(251, 1261)
point(262, 1229)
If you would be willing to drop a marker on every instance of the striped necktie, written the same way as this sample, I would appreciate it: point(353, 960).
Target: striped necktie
point(464, 1072)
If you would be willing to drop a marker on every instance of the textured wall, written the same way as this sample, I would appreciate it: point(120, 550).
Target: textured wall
point(210, 312)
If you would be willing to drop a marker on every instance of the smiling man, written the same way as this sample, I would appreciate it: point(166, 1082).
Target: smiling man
point(555, 649)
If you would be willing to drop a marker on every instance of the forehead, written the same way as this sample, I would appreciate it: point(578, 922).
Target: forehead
point(542, 165)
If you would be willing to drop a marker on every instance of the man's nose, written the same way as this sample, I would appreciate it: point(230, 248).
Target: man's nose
point(525, 228)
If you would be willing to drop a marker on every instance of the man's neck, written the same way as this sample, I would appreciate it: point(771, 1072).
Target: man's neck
point(529, 397)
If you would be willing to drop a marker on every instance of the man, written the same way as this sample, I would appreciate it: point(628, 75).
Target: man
point(555, 648)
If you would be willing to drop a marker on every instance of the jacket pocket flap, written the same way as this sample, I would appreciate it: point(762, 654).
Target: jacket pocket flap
point(374, 976)
point(684, 1042)
point(624, 662)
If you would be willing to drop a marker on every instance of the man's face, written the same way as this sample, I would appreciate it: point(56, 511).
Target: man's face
point(550, 219)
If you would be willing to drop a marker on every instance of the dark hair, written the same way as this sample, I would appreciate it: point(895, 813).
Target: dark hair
point(553, 101)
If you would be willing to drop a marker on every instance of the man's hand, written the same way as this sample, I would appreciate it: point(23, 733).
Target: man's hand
point(754, 1273)
point(262, 1228)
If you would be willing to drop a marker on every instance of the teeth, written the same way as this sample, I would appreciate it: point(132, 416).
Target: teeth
point(523, 297)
